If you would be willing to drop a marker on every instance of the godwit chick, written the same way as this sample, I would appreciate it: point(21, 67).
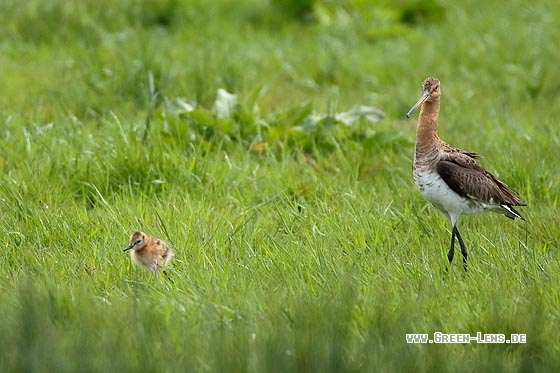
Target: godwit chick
point(451, 179)
point(148, 252)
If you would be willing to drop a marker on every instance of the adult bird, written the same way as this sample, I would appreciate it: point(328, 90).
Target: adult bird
point(451, 179)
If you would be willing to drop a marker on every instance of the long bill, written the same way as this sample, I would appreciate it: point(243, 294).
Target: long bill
point(128, 247)
point(418, 103)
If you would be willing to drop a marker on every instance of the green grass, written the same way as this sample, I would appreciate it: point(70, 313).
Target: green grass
point(301, 244)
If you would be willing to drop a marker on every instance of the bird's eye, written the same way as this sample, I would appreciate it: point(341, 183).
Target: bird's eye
point(138, 242)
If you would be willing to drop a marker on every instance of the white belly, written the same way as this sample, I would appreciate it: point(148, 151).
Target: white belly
point(439, 194)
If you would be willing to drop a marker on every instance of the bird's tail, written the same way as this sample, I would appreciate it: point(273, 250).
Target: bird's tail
point(510, 212)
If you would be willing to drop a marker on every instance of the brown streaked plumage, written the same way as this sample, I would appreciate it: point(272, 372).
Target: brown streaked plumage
point(451, 179)
point(148, 252)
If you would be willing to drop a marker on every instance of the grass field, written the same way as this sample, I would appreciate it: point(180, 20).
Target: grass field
point(301, 242)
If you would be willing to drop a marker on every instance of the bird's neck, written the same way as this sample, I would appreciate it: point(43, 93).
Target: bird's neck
point(426, 132)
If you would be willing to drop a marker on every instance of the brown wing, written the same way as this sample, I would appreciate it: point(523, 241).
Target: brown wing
point(468, 179)
point(454, 152)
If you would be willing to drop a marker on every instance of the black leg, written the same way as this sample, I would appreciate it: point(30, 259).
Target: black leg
point(463, 247)
point(167, 275)
point(451, 252)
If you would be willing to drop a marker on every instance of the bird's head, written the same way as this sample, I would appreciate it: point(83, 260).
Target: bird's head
point(137, 241)
point(430, 93)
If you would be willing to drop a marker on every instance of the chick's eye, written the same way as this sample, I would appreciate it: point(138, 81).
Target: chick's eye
point(138, 242)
